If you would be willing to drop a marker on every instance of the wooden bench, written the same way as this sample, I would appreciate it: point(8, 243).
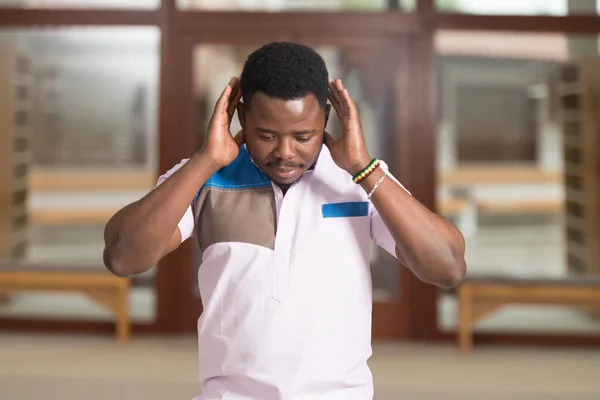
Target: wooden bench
point(479, 296)
point(49, 179)
point(494, 174)
point(85, 180)
point(71, 217)
point(467, 178)
point(549, 206)
point(107, 290)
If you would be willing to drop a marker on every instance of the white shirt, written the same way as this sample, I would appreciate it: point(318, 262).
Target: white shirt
point(288, 318)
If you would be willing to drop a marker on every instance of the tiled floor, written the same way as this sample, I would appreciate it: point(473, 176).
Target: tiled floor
point(90, 368)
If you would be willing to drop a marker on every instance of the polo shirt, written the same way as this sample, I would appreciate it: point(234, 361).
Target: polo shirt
point(285, 283)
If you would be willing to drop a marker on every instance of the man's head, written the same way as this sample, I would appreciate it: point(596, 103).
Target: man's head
point(285, 111)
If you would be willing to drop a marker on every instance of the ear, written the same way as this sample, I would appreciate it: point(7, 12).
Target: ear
point(327, 112)
point(241, 112)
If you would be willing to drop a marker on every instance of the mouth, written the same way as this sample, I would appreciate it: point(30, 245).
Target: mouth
point(285, 172)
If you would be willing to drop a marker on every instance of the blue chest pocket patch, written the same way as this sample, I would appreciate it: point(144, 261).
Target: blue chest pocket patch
point(345, 210)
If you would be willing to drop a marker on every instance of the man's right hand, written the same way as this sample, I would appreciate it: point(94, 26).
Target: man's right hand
point(139, 235)
point(219, 145)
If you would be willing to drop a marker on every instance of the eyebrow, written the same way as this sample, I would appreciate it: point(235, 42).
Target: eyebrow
point(304, 132)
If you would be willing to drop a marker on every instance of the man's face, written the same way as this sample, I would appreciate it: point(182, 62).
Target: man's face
point(283, 137)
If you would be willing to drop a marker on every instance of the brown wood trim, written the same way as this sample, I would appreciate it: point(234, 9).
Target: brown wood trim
point(193, 136)
point(580, 24)
point(392, 312)
point(191, 305)
point(405, 163)
point(391, 23)
point(70, 326)
point(11, 17)
point(526, 339)
point(168, 278)
point(426, 6)
point(418, 164)
point(343, 23)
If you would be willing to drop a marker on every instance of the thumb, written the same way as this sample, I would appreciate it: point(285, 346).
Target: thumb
point(239, 138)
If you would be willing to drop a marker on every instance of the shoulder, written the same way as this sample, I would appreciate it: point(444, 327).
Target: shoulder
point(242, 173)
point(170, 172)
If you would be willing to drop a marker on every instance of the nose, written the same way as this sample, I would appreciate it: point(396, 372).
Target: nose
point(285, 149)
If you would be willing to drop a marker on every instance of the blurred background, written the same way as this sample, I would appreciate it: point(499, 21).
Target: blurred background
point(487, 110)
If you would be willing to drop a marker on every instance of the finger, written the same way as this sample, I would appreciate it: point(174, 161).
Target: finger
point(335, 98)
point(335, 93)
point(337, 105)
point(351, 106)
point(238, 88)
point(240, 138)
point(339, 86)
point(234, 99)
point(223, 101)
point(334, 102)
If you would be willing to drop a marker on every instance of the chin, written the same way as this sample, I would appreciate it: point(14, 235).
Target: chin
point(286, 181)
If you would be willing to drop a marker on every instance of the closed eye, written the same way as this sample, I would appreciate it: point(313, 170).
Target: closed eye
point(266, 137)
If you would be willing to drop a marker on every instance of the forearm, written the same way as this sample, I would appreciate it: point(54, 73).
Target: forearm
point(139, 235)
point(431, 247)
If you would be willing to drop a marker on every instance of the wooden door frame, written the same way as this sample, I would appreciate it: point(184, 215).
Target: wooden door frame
point(413, 87)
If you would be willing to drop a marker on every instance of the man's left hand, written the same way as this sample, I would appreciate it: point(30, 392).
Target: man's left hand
point(349, 151)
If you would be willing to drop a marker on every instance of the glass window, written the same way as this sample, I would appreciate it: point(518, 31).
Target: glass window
point(80, 3)
point(510, 168)
point(81, 134)
point(520, 7)
point(296, 5)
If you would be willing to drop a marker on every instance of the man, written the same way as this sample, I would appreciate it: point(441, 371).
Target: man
point(284, 224)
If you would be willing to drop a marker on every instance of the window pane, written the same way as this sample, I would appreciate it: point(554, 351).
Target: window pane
point(511, 168)
point(80, 3)
point(79, 141)
point(296, 5)
point(520, 7)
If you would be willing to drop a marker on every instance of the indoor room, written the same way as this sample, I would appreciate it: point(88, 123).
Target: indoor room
point(487, 111)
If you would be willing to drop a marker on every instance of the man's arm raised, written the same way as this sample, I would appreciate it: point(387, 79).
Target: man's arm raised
point(142, 233)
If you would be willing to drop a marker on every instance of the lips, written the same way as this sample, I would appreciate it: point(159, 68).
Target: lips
point(285, 172)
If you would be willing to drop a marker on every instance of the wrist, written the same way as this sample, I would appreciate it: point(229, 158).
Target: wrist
point(369, 182)
point(206, 163)
point(360, 165)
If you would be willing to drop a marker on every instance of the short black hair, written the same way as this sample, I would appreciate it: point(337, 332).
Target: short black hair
point(286, 71)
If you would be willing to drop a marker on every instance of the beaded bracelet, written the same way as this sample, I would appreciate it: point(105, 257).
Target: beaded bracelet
point(362, 175)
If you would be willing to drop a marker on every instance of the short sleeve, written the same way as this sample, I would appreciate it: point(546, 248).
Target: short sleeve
point(186, 224)
point(379, 231)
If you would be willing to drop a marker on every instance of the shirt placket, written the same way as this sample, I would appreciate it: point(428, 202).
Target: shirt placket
point(286, 226)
